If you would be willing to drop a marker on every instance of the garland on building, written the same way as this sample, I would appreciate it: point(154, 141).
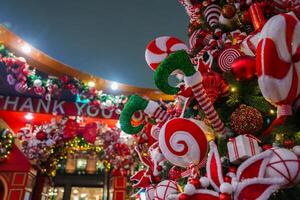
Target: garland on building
point(6, 142)
point(221, 138)
point(25, 79)
point(49, 144)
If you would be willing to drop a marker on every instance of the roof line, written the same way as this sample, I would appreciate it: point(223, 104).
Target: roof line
point(53, 67)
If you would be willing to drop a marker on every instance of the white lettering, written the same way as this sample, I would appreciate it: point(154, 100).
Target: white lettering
point(89, 109)
point(79, 108)
point(27, 105)
point(41, 103)
point(12, 102)
point(105, 114)
point(58, 106)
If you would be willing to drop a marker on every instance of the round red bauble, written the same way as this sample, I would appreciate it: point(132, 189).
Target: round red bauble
point(41, 135)
point(183, 197)
point(224, 196)
point(246, 120)
point(244, 68)
point(195, 182)
point(228, 11)
point(289, 143)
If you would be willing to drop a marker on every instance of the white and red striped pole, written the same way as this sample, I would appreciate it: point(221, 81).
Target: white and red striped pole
point(195, 82)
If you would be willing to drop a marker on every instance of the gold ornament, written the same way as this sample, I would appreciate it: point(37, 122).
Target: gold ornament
point(279, 137)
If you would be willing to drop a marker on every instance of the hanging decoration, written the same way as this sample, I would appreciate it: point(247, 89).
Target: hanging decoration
point(48, 144)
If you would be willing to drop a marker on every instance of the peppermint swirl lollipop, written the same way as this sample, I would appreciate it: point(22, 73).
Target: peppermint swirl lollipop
point(183, 142)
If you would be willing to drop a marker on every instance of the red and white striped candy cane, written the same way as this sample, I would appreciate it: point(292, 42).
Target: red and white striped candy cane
point(195, 82)
point(278, 62)
point(191, 10)
point(153, 109)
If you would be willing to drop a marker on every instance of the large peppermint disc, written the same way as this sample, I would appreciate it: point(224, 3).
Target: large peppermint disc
point(183, 142)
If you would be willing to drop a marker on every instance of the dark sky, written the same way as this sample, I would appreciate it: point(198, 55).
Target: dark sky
point(105, 38)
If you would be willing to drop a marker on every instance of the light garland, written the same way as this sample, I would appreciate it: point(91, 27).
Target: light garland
point(6, 142)
point(49, 144)
point(26, 80)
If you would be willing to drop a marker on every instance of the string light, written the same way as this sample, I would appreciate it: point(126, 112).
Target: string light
point(114, 86)
point(91, 84)
point(29, 116)
point(233, 89)
point(26, 48)
point(272, 112)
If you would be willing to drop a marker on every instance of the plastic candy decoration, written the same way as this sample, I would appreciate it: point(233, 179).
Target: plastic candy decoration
point(137, 103)
point(160, 48)
point(284, 164)
point(164, 189)
point(212, 14)
point(180, 61)
point(215, 86)
point(183, 142)
point(277, 63)
point(227, 57)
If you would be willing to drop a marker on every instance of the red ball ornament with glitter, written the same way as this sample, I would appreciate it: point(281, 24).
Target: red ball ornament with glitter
point(244, 68)
point(246, 120)
point(41, 135)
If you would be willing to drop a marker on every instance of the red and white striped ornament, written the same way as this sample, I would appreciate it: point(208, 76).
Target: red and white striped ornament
point(278, 62)
point(284, 164)
point(183, 142)
point(195, 82)
point(199, 38)
point(164, 189)
point(212, 14)
point(157, 112)
point(149, 192)
point(160, 48)
point(227, 57)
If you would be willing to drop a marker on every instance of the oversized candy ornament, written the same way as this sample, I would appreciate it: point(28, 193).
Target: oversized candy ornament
point(180, 61)
point(183, 142)
point(137, 103)
point(160, 48)
point(278, 62)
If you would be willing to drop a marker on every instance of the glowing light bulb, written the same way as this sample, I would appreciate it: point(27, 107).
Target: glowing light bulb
point(91, 84)
point(114, 86)
point(26, 48)
point(29, 116)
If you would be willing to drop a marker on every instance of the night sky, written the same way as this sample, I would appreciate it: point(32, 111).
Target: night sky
point(104, 38)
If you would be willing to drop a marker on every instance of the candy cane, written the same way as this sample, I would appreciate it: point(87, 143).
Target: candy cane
point(136, 103)
point(181, 61)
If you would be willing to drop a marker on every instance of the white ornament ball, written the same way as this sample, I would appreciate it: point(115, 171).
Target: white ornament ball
point(37, 83)
point(204, 182)
point(296, 150)
point(226, 188)
point(189, 189)
point(284, 164)
point(165, 188)
point(149, 192)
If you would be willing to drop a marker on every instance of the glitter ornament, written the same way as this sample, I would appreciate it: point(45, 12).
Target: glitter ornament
point(246, 120)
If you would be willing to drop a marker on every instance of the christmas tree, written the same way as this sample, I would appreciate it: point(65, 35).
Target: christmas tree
point(221, 138)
